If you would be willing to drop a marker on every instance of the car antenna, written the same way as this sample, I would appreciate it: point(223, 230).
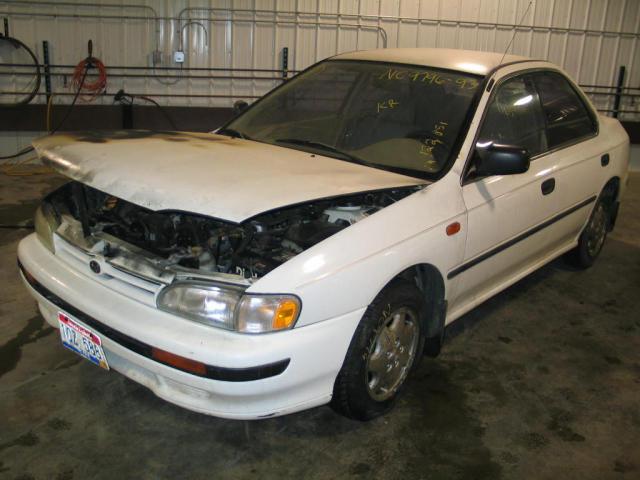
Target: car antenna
point(515, 31)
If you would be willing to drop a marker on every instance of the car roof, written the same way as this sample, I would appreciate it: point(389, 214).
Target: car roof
point(469, 61)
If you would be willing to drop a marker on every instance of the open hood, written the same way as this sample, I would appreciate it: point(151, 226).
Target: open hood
point(226, 178)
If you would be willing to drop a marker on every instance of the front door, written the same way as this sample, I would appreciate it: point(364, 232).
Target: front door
point(505, 211)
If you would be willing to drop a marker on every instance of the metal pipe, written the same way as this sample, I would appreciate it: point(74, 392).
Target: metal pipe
point(176, 95)
point(193, 22)
point(57, 4)
point(637, 112)
point(381, 31)
point(80, 4)
point(138, 67)
point(194, 95)
point(84, 15)
point(223, 69)
point(609, 86)
point(437, 21)
point(135, 75)
point(614, 94)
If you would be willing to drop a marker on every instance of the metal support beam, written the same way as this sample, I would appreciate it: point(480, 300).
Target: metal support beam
point(285, 63)
point(618, 96)
point(47, 70)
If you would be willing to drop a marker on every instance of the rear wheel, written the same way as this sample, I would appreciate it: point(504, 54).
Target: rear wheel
point(385, 348)
point(593, 236)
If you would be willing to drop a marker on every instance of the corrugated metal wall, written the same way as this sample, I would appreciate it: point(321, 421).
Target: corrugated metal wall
point(252, 33)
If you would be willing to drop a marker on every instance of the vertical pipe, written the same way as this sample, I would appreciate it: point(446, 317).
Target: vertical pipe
point(296, 41)
point(379, 25)
point(565, 40)
point(338, 29)
point(533, 22)
point(583, 42)
point(254, 34)
point(596, 67)
point(317, 32)
point(47, 71)
point(633, 52)
point(418, 23)
point(548, 41)
point(439, 17)
point(458, 25)
point(620, 24)
point(398, 23)
point(618, 97)
point(359, 21)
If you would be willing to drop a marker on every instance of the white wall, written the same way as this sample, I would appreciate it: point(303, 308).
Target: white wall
point(225, 39)
point(567, 32)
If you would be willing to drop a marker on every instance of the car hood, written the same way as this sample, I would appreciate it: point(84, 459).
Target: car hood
point(226, 178)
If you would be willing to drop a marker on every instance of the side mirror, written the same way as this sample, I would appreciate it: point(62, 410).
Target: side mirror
point(239, 106)
point(496, 159)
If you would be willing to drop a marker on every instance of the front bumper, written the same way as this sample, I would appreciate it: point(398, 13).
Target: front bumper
point(311, 355)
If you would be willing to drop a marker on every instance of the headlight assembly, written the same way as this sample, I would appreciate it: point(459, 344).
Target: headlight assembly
point(227, 307)
point(266, 313)
point(45, 223)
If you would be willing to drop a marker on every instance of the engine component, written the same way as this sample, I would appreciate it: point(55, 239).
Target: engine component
point(190, 241)
point(349, 213)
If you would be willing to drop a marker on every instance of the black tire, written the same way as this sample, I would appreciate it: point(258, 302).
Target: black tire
point(400, 303)
point(593, 236)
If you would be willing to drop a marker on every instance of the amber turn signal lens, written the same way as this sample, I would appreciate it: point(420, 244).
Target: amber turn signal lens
point(285, 315)
point(453, 228)
point(181, 363)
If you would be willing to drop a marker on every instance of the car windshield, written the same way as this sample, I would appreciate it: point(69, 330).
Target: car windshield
point(401, 118)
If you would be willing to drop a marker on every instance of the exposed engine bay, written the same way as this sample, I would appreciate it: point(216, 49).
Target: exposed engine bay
point(185, 241)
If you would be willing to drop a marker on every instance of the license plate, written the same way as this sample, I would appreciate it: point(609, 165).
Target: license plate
point(81, 340)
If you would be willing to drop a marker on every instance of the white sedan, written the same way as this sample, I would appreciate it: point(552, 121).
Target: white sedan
point(314, 248)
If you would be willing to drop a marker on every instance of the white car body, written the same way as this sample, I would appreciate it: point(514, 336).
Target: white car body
point(507, 230)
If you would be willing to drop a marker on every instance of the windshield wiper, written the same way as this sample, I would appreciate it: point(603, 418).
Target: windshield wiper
point(230, 132)
point(325, 147)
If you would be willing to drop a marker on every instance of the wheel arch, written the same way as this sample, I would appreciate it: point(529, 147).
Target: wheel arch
point(611, 194)
point(430, 282)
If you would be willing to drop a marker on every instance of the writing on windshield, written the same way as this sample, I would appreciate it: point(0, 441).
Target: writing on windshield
point(405, 119)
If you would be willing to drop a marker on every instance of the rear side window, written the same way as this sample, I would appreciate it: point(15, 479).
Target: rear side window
point(566, 116)
point(514, 117)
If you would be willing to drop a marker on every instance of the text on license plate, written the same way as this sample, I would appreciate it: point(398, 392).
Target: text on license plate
point(81, 340)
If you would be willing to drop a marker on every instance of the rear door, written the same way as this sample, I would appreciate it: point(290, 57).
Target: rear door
point(574, 151)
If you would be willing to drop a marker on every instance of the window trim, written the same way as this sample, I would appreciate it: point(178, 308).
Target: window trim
point(465, 180)
point(592, 115)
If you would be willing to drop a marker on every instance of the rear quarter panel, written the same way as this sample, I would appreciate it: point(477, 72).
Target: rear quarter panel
point(615, 141)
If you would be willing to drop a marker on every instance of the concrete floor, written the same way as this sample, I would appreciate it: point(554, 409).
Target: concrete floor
point(543, 381)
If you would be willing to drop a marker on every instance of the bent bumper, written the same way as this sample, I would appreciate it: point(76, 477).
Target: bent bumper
point(287, 371)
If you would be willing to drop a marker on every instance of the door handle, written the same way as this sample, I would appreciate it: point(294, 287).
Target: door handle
point(548, 186)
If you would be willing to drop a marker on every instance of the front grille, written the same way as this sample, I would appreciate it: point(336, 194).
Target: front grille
point(114, 278)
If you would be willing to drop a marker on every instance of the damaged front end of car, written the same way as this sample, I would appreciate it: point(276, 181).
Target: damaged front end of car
point(203, 265)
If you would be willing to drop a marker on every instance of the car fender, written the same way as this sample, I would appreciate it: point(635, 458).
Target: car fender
point(346, 271)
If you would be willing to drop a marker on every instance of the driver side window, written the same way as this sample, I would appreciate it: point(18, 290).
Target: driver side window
point(514, 117)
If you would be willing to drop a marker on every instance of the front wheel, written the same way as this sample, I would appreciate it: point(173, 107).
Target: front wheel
point(385, 348)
